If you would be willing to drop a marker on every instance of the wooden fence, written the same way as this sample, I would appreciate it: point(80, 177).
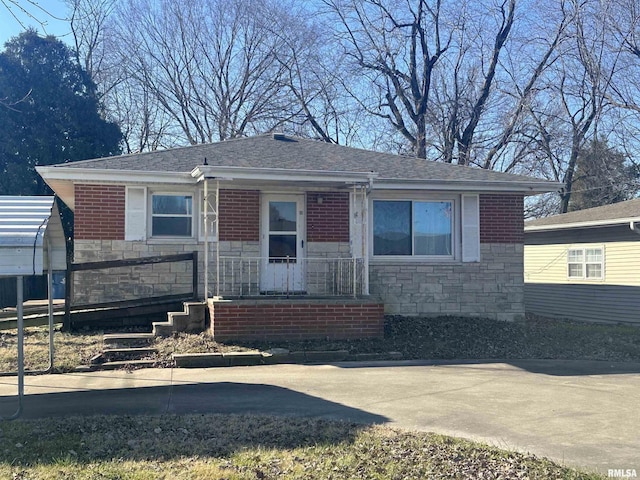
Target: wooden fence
point(88, 266)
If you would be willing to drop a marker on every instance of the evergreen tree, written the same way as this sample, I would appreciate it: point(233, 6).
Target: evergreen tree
point(49, 113)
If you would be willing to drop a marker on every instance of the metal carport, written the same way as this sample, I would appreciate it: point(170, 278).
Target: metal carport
point(32, 242)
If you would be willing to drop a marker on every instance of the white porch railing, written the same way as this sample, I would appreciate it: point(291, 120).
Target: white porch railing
point(255, 276)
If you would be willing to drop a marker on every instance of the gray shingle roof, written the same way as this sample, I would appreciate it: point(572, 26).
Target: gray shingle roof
point(604, 214)
point(293, 153)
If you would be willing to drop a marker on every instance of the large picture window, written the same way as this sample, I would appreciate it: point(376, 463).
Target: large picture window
point(412, 228)
point(585, 263)
point(171, 215)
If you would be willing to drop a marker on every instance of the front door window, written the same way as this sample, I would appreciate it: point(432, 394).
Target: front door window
point(283, 236)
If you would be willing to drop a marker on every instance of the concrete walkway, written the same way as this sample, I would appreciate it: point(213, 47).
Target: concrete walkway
point(583, 414)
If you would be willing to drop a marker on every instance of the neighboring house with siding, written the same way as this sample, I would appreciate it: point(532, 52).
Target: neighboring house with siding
point(585, 265)
point(307, 220)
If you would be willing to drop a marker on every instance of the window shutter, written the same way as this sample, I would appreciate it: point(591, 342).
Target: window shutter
point(470, 228)
point(135, 227)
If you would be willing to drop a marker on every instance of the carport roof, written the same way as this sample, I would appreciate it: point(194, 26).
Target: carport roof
point(23, 224)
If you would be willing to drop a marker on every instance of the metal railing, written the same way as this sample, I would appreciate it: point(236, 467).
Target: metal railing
point(255, 276)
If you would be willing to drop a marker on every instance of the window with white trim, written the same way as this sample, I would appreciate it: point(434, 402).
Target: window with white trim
point(171, 215)
point(413, 228)
point(585, 263)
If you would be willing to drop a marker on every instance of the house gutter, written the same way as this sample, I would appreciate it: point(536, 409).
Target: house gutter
point(95, 175)
point(594, 223)
point(279, 174)
point(528, 188)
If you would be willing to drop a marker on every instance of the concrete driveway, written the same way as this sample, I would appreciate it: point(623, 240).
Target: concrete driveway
point(583, 414)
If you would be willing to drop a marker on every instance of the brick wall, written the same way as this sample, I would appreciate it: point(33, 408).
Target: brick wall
point(501, 218)
point(295, 319)
point(239, 215)
point(328, 221)
point(99, 212)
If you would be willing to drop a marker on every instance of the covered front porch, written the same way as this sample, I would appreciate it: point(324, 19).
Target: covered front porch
point(285, 256)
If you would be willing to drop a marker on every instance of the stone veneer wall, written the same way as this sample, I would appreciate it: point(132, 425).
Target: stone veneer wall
point(128, 283)
point(493, 287)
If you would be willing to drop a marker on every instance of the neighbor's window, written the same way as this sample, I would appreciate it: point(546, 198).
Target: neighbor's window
point(586, 263)
point(171, 215)
point(412, 228)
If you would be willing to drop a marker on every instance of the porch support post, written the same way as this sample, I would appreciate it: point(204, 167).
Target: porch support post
point(205, 206)
point(364, 213)
point(354, 258)
point(217, 238)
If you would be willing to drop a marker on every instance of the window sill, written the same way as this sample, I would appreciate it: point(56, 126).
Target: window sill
point(587, 280)
point(172, 240)
point(413, 260)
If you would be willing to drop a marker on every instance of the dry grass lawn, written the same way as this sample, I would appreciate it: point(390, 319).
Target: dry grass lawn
point(250, 447)
point(414, 338)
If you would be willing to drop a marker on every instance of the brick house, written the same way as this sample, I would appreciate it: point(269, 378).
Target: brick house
point(300, 238)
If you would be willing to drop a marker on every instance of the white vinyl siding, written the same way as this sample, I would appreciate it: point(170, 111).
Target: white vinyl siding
point(548, 263)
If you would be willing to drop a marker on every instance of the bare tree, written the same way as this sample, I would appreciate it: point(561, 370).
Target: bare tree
point(397, 50)
point(209, 64)
point(573, 110)
point(127, 102)
point(445, 74)
point(30, 9)
point(317, 80)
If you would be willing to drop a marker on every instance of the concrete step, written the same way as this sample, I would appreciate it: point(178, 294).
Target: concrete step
point(130, 352)
point(162, 329)
point(126, 364)
point(127, 338)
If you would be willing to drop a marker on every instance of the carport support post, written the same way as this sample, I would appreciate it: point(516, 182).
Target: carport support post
point(50, 304)
point(19, 308)
point(68, 281)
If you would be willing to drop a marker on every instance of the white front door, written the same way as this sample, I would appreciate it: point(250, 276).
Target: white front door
point(282, 232)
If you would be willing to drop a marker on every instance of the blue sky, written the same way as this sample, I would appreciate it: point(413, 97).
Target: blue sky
point(10, 27)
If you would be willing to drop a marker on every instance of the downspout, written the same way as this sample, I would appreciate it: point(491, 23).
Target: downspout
point(633, 227)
